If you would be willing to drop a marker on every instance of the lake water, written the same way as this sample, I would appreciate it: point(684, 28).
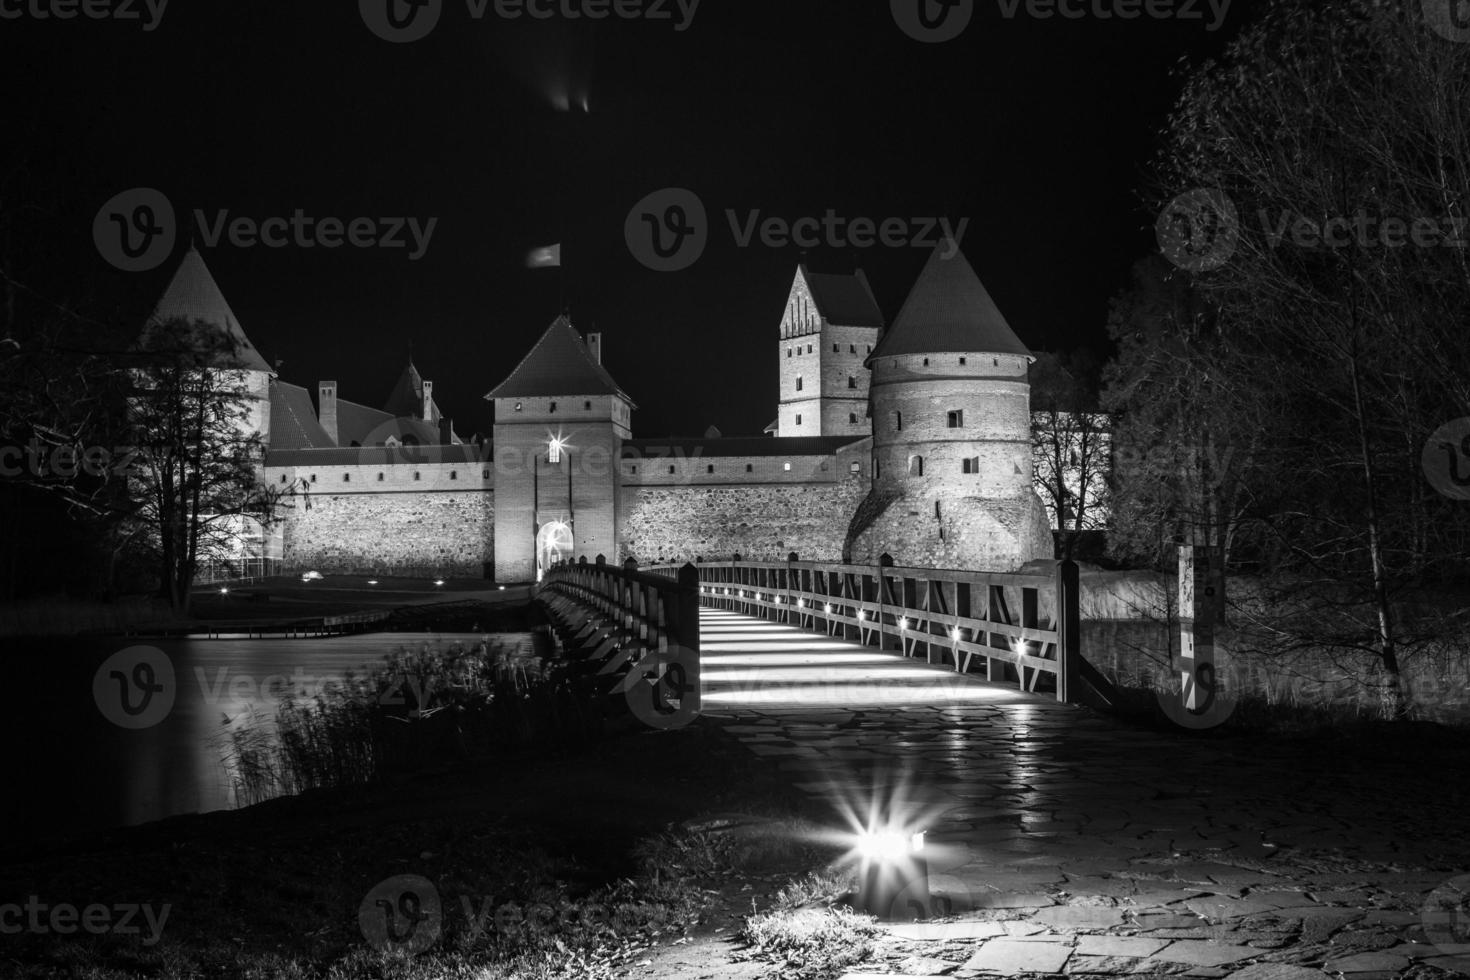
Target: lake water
point(68, 768)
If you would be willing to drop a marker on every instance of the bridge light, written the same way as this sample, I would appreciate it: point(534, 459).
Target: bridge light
point(903, 622)
point(829, 607)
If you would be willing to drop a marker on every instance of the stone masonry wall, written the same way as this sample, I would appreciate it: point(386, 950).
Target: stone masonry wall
point(759, 522)
point(404, 533)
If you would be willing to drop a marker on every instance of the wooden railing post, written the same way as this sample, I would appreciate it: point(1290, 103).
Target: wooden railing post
point(1069, 628)
point(682, 609)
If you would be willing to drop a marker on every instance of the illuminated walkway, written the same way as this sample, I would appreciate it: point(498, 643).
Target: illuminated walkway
point(1081, 845)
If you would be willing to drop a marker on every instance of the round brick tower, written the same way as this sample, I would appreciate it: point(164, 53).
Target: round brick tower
point(950, 406)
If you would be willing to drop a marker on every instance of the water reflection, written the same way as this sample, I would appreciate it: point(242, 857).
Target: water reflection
point(72, 770)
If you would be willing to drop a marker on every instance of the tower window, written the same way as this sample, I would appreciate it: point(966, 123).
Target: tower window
point(283, 478)
point(418, 476)
point(346, 477)
point(870, 348)
point(553, 408)
point(916, 466)
point(898, 421)
point(955, 419)
point(484, 474)
point(586, 406)
point(519, 406)
point(798, 418)
point(786, 467)
point(851, 381)
point(788, 352)
point(671, 470)
point(852, 418)
point(633, 469)
point(380, 478)
point(454, 474)
point(926, 362)
point(749, 468)
point(852, 348)
point(855, 467)
point(313, 478)
point(710, 468)
point(798, 382)
point(808, 348)
point(835, 348)
point(970, 465)
point(962, 362)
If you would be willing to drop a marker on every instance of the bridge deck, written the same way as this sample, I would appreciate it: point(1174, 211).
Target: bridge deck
point(750, 664)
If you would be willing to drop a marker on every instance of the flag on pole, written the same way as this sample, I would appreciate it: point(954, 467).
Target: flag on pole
point(544, 257)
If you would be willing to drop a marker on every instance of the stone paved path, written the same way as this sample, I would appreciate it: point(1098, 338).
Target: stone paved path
point(1076, 845)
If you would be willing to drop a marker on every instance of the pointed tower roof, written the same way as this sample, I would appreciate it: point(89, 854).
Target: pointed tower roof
point(407, 398)
point(949, 309)
point(192, 295)
point(558, 364)
point(844, 300)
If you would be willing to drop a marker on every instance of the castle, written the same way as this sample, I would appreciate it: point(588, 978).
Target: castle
point(912, 440)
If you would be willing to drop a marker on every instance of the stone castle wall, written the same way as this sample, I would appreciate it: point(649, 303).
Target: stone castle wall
point(427, 533)
point(756, 521)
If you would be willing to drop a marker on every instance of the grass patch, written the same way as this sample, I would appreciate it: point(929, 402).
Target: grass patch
point(808, 943)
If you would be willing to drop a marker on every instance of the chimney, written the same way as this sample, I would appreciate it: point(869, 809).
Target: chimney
point(326, 408)
point(594, 346)
point(428, 400)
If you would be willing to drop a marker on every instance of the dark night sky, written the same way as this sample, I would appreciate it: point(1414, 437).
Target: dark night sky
point(1036, 130)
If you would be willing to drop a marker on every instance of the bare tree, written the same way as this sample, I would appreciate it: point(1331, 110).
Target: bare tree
point(1069, 446)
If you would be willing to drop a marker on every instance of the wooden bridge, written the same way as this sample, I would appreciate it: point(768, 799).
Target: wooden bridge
point(852, 625)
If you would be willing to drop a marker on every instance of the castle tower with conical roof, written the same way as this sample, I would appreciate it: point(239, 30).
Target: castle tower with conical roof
point(950, 406)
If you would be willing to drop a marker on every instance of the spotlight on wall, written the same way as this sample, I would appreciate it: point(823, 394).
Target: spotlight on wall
point(502, 588)
point(829, 607)
point(224, 590)
point(903, 622)
point(438, 581)
point(801, 603)
point(372, 581)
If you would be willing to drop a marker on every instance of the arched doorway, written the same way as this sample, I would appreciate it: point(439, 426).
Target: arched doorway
point(553, 544)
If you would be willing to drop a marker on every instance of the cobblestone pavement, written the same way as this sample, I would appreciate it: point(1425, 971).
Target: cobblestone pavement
point(1073, 844)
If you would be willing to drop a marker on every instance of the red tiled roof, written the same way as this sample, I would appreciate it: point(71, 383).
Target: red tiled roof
point(949, 310)
point(844, 300)
point(558, 364)
point(192, 294)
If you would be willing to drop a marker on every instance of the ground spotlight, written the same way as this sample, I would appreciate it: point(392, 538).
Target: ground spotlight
point(892, 866)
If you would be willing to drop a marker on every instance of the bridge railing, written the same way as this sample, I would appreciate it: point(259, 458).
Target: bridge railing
point(1021, 627)
point(632, 622)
